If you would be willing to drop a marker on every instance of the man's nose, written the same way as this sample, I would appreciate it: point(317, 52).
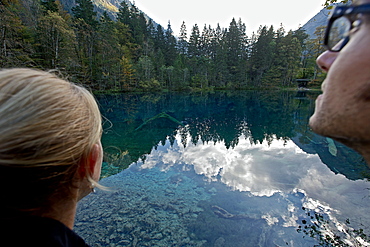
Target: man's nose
point(326, 59)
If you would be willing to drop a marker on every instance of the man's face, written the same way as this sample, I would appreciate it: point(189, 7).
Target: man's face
point(343, 110)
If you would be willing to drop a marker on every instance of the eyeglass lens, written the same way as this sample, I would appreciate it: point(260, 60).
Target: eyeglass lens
point(338, 31)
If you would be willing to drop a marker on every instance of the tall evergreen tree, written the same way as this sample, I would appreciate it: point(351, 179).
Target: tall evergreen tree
point(182, 43)
point(84, 10)
point(205, 41)
point(124, 14)
point(219, 57)
point(159, 48)
point(110, 49)
point(286, 61)
point(86, 25)
point(56, 41)
point(194, 42)
point(159, 39)
point(236, 53)
point(170, 46)
point(262, 54)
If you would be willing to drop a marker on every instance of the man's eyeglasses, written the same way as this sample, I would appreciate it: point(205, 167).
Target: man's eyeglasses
point(343, 21)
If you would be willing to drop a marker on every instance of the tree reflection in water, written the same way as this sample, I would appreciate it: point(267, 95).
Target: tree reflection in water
point(139, 122)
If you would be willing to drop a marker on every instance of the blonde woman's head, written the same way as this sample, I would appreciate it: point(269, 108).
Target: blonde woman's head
point(48, 127)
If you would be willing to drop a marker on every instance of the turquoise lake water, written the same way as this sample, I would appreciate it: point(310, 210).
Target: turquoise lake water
point(223, 169)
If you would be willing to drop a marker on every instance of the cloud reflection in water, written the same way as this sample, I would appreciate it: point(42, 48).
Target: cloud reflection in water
point(266, 169)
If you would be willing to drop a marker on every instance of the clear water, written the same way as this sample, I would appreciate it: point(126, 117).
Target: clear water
point(223, 169)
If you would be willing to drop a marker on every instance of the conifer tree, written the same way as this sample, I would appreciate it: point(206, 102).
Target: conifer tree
point(182, 43)
point(286, 61)
point(159, 39)
point(170, 46)
point(124, 14)
point(236, 43)
point(56, 41)
point(86, 26)
point(262, 54)
point(194, 42)
point(84, 10)
point(109, 52)
point(220, 57)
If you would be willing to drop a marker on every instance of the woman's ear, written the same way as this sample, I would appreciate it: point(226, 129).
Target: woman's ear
point(88, 171)
point(94, 161)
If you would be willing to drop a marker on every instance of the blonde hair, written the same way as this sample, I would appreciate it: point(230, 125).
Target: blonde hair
point(48, 127)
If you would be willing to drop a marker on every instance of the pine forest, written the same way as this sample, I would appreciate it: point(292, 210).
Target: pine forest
point(132, 53)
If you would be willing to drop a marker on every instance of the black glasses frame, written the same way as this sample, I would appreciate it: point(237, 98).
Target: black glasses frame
point(338, 12)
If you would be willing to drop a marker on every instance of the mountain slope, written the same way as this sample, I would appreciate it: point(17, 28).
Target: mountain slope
point(110, 6)
point(320, 19)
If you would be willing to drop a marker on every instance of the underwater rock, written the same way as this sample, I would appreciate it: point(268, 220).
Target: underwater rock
point(213, 190)
point(128, 227)
point(225, 214)
point(158, 236)
point(150, 209)
point(220, 242)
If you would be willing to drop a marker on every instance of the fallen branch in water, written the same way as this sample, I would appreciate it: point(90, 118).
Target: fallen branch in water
point(160, 115)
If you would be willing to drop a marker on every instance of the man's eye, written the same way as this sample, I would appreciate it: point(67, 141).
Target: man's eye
point(355, 26)
point(356, 23)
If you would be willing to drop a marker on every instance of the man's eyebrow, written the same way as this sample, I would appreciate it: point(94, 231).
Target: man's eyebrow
point(359, 2)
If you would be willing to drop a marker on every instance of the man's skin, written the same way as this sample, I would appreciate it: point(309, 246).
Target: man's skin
point(343, 110)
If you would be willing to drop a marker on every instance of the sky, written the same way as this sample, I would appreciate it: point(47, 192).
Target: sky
point(291, 13)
